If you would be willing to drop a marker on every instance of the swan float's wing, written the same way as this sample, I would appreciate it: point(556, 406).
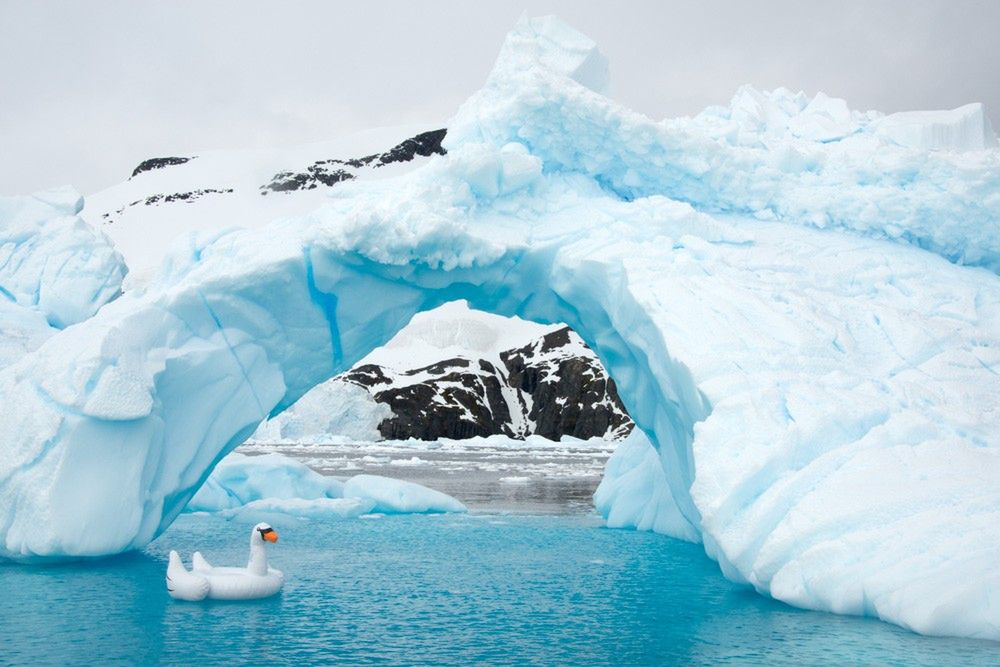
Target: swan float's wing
point(199, 564)
point(184, 585)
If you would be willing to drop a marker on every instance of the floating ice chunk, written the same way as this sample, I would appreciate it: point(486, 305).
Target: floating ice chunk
point(515, 479)
point(395, 496)
point(316, 508)
point(53, 261)
point(239, 480)
point(966, 128)
point(253, 487)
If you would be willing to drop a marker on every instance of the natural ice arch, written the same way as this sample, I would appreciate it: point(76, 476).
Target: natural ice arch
point(157, 389)
point(793, 379)
point(846, 458)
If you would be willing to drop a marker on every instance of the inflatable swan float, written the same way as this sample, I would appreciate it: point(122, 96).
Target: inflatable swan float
point(254, 581)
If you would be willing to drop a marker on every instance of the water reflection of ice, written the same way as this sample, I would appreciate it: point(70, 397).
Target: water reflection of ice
point(487, 474)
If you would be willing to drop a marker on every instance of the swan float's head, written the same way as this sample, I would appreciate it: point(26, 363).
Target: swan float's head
point(265, 533)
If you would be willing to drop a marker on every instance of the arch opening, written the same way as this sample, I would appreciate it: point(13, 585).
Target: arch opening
point(203, 363)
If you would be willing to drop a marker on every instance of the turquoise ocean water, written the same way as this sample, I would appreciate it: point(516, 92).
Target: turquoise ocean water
point(456, 589)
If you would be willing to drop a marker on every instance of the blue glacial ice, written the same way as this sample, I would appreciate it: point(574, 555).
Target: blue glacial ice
point(256, 487)
point(397, 496)
point(54, 263)
point(805, 326)
point(634, 492)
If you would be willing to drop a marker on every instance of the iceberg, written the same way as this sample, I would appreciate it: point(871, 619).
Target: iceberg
point(53, 262)
point(255, 487)
point(396, 496)
point(807, 332)
point(240, 479)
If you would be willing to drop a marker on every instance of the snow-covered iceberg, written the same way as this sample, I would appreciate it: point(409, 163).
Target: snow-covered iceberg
point(807, 332)
point(255, 486)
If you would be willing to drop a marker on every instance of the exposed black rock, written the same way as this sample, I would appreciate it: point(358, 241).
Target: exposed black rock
point(424, 144)
point(570, 394)
point(333, 171)
point(179, 196)
point(158, 163)
point(155, 200)
point(555, 385)
point(316, 174)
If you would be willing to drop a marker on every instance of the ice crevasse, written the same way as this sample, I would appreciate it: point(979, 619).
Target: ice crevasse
point(805, 326)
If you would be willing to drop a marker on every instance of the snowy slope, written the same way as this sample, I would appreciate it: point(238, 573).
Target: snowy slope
point(454, 331)
point(166, 199)
point(807, 331)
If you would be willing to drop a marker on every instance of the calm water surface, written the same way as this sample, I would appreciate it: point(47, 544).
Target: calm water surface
point(473, 589)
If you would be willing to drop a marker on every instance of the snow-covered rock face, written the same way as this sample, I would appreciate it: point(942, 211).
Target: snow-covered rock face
point(822, 401)
point(458, 373)
point(52, 262)
point(180, 201)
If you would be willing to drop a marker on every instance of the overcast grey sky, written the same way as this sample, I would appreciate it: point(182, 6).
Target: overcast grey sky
point(89, 89)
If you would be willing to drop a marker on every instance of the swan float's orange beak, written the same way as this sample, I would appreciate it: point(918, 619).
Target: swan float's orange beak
point(270, 535)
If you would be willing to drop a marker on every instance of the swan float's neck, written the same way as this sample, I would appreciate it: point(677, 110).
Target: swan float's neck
point(258, 556)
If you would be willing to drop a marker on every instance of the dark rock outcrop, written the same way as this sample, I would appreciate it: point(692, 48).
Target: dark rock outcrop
point(333, 171)
point(158, 163)
point(571, 394)
point(553, 386)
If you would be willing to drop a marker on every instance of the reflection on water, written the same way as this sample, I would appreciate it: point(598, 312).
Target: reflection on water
point(463, 589)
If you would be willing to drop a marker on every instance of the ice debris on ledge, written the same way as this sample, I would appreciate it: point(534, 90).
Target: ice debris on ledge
point(761, 119)
point(808, 333)
point(773, 156)
point(254, 487)
point(54, 263)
